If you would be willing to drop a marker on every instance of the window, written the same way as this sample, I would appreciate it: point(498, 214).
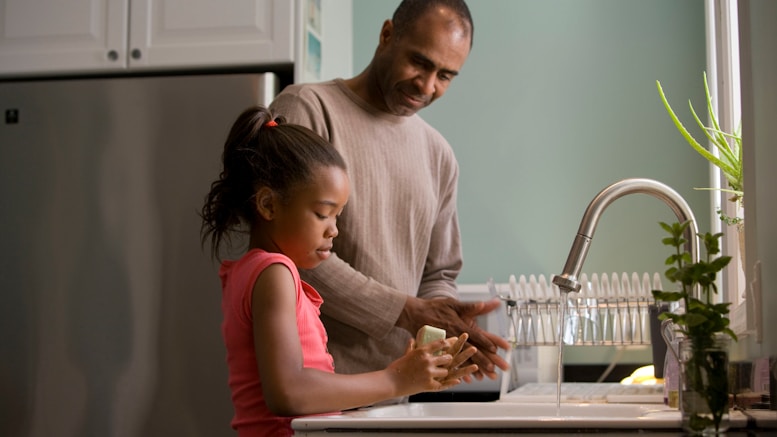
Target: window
point(724, 83)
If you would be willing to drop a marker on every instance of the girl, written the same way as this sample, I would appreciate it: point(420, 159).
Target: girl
point(286, 186)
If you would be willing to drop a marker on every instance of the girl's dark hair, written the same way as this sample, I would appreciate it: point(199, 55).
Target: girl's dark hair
point(257, 154)
point(408, 12)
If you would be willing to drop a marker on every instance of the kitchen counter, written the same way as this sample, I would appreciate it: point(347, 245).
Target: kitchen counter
point(509, 418)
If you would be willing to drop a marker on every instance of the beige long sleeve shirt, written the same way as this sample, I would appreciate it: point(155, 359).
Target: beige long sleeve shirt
point(399, 232)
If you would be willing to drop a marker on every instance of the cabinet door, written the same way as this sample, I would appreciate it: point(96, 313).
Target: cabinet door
point(55, 36)
point(210, 33)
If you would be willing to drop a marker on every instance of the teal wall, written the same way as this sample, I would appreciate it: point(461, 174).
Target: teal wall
point(556, 101)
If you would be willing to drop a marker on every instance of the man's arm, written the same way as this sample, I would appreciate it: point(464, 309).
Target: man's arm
point(355, 299)
point(443, 264)
point(444, 258)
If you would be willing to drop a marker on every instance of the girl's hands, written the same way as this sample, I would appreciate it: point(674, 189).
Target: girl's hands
point(460, 354)
point(422, 369)
point(457, 317)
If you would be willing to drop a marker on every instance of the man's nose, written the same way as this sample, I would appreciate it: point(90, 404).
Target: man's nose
point(427, 83)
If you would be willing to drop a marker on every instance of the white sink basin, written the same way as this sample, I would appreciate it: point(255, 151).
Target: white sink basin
point(497, 415)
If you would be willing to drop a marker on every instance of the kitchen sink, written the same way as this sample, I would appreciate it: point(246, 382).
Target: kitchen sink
point(497, 415)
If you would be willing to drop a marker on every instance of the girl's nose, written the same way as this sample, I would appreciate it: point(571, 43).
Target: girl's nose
point(332, 231)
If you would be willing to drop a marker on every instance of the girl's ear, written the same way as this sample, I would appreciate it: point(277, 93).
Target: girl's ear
point(265, 203)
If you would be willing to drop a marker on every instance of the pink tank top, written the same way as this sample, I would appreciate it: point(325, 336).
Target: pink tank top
point(252, 417)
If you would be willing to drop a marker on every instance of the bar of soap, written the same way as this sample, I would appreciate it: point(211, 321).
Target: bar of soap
point(428, 334)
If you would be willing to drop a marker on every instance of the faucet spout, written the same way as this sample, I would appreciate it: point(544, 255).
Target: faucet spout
point(568, 280)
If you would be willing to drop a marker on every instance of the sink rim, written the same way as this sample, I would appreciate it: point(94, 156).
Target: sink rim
point(651, 416)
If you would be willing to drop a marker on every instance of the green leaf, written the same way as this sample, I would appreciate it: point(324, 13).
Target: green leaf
point(719, 264)
point(730, 155)
point(730, 333)
point(721, 308)
point(702, 319)
point(668, 296)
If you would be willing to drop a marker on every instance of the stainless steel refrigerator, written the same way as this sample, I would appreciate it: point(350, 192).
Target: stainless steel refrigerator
point(109, 307)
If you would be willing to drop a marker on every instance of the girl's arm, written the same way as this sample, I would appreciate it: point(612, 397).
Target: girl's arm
point(291, 389)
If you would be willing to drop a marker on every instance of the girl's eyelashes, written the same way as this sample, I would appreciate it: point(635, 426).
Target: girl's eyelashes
point(329, 212)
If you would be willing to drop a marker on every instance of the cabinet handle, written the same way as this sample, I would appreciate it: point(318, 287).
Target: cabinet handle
point(113, 55)
point(135, 53)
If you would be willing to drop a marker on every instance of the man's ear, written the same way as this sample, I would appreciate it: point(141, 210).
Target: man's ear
point(265, 203)
point(386, 33)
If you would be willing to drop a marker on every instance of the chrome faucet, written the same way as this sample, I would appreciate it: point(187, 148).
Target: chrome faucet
point(568, 280)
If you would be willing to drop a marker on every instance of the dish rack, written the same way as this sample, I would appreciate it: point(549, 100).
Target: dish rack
point(608, 310)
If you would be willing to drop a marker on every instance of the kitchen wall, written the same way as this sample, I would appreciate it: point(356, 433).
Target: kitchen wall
point(556, 101)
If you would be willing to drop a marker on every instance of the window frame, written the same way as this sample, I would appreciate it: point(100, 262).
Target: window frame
point(723, 75)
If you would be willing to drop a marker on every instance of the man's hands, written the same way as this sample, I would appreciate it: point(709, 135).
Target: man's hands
point(456, 318)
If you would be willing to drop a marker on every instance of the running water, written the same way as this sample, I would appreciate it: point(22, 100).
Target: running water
point(562, 317)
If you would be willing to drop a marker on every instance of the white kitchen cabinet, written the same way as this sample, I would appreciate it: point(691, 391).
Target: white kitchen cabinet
point(56, 36)
point(207, 33)
point(52, 37)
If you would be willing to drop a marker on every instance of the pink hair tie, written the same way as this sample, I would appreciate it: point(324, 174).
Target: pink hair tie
point(271, 123)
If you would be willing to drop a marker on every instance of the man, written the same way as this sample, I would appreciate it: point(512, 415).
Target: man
point(398, 252)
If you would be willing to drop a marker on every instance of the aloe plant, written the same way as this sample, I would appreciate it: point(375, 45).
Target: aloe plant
point(729, 160)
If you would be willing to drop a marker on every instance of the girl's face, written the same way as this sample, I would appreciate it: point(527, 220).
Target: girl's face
point(304, 225)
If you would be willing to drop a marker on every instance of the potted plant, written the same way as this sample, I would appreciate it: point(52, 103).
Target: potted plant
point(704, 327)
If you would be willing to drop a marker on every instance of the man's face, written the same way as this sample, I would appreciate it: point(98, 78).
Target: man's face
point(416, 69)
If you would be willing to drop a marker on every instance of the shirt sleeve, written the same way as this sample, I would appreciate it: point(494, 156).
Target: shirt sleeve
point(444, 260)
point(355, 299)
